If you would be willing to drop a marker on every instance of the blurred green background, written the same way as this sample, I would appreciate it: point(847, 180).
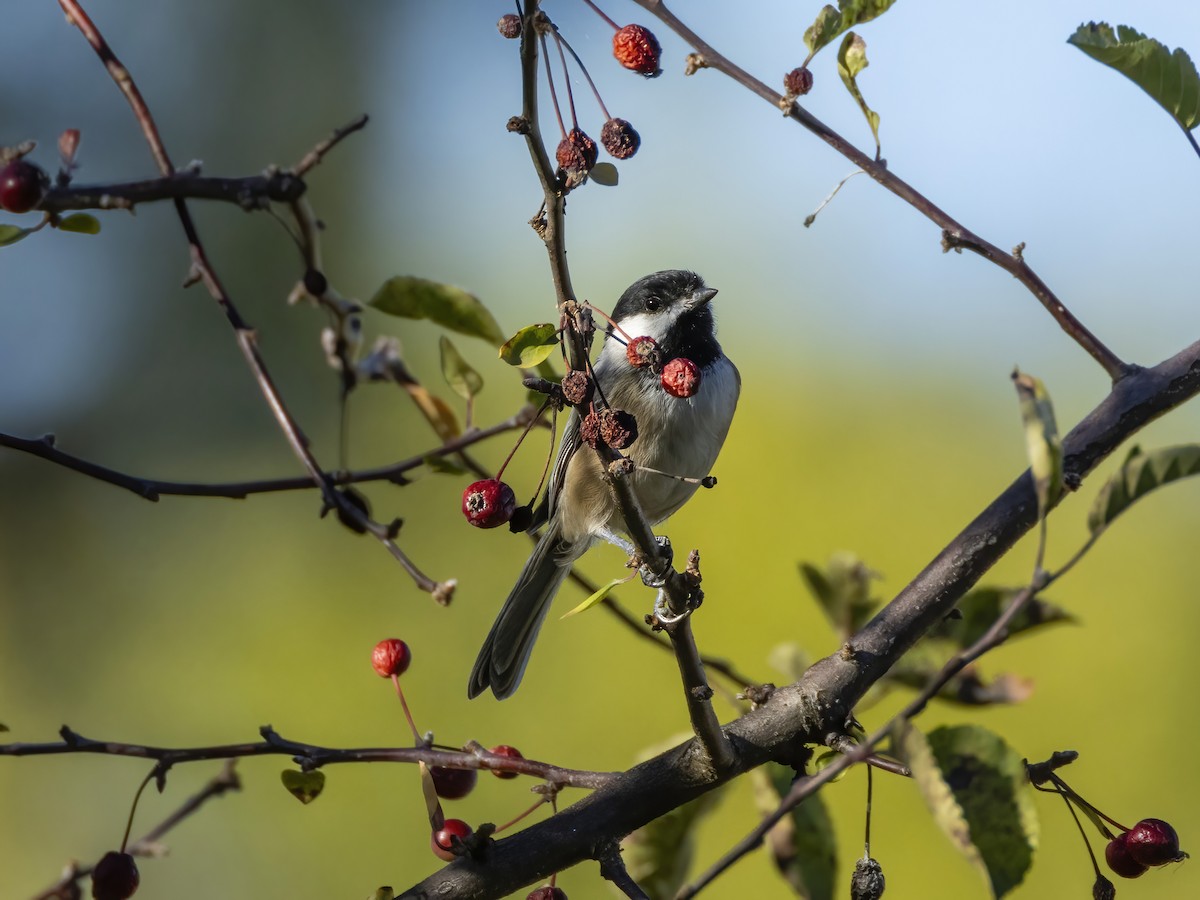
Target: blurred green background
point(877, 415)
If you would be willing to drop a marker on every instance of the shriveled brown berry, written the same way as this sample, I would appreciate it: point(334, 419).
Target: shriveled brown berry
point(576, 387)
point(619, 138)
point(867, 882)
point(509, 753)
point(636, 48)
point(1103, 889)
point(618, 428)
point(589, 429)
point(510, 26)
point(115, 877)
point(391, 657)
point(642, 352)
point(576, 152)
point(798, 82)
point(681, 377)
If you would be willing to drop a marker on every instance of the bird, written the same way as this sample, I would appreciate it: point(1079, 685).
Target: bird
point(679, 436)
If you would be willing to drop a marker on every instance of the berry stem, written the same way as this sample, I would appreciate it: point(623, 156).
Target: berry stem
point(407, 713)
point(1082, 833)
point(563, 42)
point(1070, 793)
point(512, 452)
point(549, 454)
point(134, 805)
point(541, 801)
point(553, 93)
point(600, 13)
point(610, 320)
point(867, 836)
point(558, 42)
point(706, 481)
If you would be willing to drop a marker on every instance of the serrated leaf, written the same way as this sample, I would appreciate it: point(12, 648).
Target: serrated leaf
point(463, 380)
point(451, 307)
point(831, 22)
point(1140, 474)
point(842, 590)
point(1042, 442)
point(304, 786)
point(595, 598)
point(1168, 76)
point(852, 59)
point(10, 234)
point(604, 173)
point(530, 346)
point(802, 843)
point(435, 410)
point(976, 787)
point(80, 223)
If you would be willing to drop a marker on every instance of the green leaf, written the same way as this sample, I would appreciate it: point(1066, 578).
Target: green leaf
point(802, 843)
point(530, 346)
point(383, 893)
point(1169, 77)
point(464, 380)
point(842, 590)
point(443, 466)
point(451, 307)
point(982, 606)
point(831, 22)
point(1042, 443)
point(596, 597)
point(852, 59)
point(80, 223)
point(976, 787)
point(604, 173)
point(436, 411)
point(304, 786)
point(1139, 475)
point(10, 234)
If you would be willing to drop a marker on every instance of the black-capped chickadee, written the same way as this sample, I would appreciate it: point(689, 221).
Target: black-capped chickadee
point(681, 436)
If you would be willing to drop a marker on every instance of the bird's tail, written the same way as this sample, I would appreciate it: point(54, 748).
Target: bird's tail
point(506, 650)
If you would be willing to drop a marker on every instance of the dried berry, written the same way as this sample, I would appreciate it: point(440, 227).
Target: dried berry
point(618, 428)
point(115, 877)
point(589, 429)
point(642, 352)
point(453, 784)
point(867, 882)
point(488, 503)
point(576, 387)
point(1119, 859)
point(619, 138)
point(443, 840)
point(681, 377)
point(21, 186)
point(798, 82)
point(576, 152)
point(1153, 842)
point(510, 26)
point(508, 752)
point(391, 657)
point(1103, 889)
point(637, 48)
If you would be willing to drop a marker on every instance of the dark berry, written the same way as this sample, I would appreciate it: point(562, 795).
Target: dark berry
point(547, 892)
point(642, 352)
point(359, 502)
point(681, 377)
point(522, 518)
point(391, 657)
point(618, 428)
point(510, 26)
point(798, 82)
point(1119, 859)
point(1103, 889)
point(315, 282)
point(115, 877)
point(619, 138)
point(576, 152)
point(576, 387)
point(488, 503)
point(509, 753)
point(1153, 842)
point(453, 784)
point(867, 882)
point(442, 841)
point(637, 48)
point(21, 186)
point(589, 429)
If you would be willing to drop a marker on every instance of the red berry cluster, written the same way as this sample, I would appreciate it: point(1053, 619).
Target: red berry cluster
point(1149, 843)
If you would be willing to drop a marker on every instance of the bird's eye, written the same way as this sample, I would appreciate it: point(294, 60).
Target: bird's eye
point(653, 303)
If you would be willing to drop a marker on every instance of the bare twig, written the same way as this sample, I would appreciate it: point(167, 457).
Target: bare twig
point(253, 192)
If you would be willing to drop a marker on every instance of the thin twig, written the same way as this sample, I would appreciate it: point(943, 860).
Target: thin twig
point(252, 192)
point(314, 156)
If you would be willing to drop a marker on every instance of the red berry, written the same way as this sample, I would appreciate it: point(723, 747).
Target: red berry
point(681, 377)
point(509, 753)
point(1120, 860)
point(442, 841)
point(488, 503)
point(619, 138)
point(391, 657)
point(1153, 842)
point(21, 186)
point(547, 892)
point(798, 82)
point(576, 152)
point(641, 352)
point(115, 877)
point(510, 26)
point(453, 784)
point(636, 48)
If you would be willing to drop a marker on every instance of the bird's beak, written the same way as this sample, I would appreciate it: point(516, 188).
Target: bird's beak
point(701, 297)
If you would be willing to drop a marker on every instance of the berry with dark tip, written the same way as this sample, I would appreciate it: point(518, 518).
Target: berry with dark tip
point(442, 841)
point(509, 753)
point(1153, 842)
point(576, 152)
point(453, 784)
point(522, 518)
point(681, 377)
point(21, 186)
point(798, 82)
point(115, 877)
point(1121, 861)
point(619, 138)
point(488, 503)
point(391, 657)
point(642, 352)
point(636, 48)
point(547, 892)
point(510, 26)
point(576, 387)
point(618, 428)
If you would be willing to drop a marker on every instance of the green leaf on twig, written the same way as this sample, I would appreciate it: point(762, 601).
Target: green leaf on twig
point(1139, 475)
point(10, 234)
point(451, 307)
point(1042, 442)
point(852, 59)
point(304, 786)
point(463, 379)
point(530, 346)
point(831, 22)
point(1168, 76)
point(842, 590)
point(80, 223)
point(802, 843)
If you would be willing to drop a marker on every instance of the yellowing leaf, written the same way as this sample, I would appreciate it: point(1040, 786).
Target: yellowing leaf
point(448, 306)
point(463, 379)
point(852, 59)
point(10, 234)
point(1042, 442)
point(304, 786)
point(595, 598)
point(530, 346)
point(831, 22)
point(436, 412)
